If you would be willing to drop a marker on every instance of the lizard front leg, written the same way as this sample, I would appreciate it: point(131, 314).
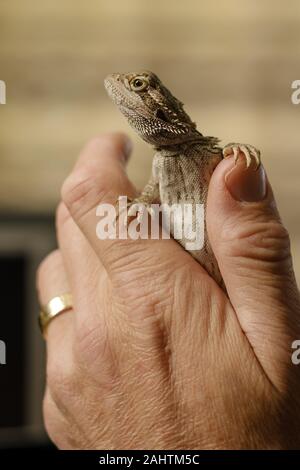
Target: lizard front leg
point(149, 196)
point(137, 206)
point(248, 152)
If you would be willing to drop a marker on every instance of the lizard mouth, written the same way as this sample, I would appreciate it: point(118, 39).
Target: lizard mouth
point(112, 90)
point(119, 94)
point(161, 115)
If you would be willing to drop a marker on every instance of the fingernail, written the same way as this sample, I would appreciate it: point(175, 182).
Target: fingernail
point(246, 184)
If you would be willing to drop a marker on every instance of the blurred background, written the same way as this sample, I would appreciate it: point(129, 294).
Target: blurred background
point(232, 63)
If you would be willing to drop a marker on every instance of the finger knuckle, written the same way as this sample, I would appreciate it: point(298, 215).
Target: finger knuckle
point(62, 214)
point(83, 190)
point(47, 265)
point(267, 241)
point(51, 420)
point(76, 187)
point(62, 382)
point(95, 347)
point(58, 427)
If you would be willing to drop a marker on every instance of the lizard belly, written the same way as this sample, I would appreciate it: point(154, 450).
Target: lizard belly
point(183, 184)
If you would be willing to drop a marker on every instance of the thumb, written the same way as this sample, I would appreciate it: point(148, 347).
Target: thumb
point(253, 251)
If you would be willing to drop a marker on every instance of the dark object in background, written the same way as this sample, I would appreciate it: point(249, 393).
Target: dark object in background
point(12, 318)
point(24, 241)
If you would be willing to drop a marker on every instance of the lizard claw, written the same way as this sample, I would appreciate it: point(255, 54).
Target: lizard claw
point(250, 153)
point(136, 209)
point(119, 212)
point(139, 209)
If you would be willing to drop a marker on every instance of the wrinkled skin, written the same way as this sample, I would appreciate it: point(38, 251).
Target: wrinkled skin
point(154, 354)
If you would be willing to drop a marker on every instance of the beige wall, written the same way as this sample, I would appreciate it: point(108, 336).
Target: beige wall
point(231, 62)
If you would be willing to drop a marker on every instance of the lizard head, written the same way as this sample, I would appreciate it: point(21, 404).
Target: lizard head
point(150, 108)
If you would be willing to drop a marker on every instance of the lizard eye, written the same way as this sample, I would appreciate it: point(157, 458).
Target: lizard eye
point(139, 84)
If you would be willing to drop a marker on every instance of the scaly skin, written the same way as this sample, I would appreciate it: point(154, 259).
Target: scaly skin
point(184, 160)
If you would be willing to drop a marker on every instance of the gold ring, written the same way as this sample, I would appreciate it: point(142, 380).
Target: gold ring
point(54, 307)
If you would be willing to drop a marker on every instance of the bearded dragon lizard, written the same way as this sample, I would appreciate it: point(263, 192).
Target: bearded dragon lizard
point(184, 160)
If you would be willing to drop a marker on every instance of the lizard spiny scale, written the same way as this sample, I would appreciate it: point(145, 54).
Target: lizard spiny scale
point(184, 160)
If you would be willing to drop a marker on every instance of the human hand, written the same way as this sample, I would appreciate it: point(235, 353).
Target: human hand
point(154, 354)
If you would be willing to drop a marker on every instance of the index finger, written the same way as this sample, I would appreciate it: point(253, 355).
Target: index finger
point(100, 177)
